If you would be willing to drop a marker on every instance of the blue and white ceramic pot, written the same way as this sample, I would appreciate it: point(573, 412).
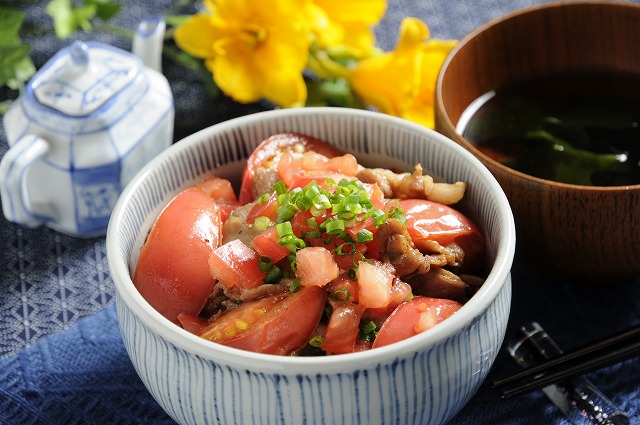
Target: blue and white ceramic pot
point(90, 118)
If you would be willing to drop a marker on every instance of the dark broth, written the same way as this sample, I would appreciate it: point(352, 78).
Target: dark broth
point(579, 127)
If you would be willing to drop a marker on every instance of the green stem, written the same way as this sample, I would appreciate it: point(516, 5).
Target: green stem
point(114, 30)
point(181, 59)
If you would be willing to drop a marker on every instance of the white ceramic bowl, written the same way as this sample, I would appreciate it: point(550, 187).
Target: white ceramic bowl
point(423, 380)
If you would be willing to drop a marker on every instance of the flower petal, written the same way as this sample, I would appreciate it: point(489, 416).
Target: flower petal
point(197, 36)
point(347, 24)
point(364, 11)
point(235, 75)
point(402, 82)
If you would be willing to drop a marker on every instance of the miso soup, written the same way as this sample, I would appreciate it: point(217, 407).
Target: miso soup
point(581, 127)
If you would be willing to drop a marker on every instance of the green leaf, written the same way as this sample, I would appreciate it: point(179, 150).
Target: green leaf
point(68, 18)
point(105, 9)
point(10, 23)
point(15, 65)
point(566, 163)
point(332, 92)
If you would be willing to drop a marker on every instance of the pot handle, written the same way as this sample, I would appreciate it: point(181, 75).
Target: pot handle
point(16, 204)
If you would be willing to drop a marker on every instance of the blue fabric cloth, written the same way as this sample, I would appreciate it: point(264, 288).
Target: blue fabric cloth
point(62, 360)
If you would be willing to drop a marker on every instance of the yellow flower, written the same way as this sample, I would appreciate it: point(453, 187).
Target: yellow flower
point(340, 24)
point(402, 82)
point(254, 48)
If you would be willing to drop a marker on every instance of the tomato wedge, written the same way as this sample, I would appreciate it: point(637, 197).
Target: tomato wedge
point(190, 323)
point(172, 272)
point(268, 153)
point(428, 220)
point(343, 328)
point(277, 324)
point(236, 264)
point(414, 317)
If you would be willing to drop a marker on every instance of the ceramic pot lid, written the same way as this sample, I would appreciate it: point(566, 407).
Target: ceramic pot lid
point(80, 79)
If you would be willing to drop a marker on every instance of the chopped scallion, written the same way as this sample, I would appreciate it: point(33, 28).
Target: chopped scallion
point(265, 264)
point(274, 275)
point(346, 248)
point(295, 285)
point(280, 188)
point(263, 199)
point(341, 295)
point(364, 236)
point(262, 223)
point(335, 227)
point(316, 341)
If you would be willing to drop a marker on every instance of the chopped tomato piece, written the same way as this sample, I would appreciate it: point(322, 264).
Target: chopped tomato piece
point(300, 222)
point(172, 273)
point(343, 328)
point(269, 209)
point(277, 324)
point(351, 254)
point(400, 292)
point(290, 164)
point(235, 264)
point(414, 317)
point(376, 196)
point(266, 244)
point(428, 220)
point(302, 178)
point(345, 164)
point(315, 266)
point(298, 170)
point(313, 161)
point(226, 207)
point(374, 282)
point(343, 289)
point(373, 250)
point(366, 224)
point(217, 188)
point(222, 192)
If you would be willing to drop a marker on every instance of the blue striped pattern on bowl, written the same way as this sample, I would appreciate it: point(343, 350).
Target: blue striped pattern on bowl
point(423, 380)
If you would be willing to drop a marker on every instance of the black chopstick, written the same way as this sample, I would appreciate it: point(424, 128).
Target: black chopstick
point(601, 353)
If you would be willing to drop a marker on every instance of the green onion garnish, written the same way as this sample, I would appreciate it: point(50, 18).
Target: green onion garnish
point(280, 188)
point(345, 204)
point(264, 264)
point(295, 285)
point(262, 223)
point(263, 199)
point(368, 331)
point(364, 236)
point(274, 275)
point(316, 341)
point(341, 295)
point(398, 214)
point(342, 249)
point(334, 227)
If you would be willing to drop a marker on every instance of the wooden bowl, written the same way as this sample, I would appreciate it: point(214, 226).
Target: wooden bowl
point(583, 233)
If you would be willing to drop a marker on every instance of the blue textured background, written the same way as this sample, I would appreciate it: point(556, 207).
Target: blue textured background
point(61, 355)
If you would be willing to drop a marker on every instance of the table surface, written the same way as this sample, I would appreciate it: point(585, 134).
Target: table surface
point(61, 355)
